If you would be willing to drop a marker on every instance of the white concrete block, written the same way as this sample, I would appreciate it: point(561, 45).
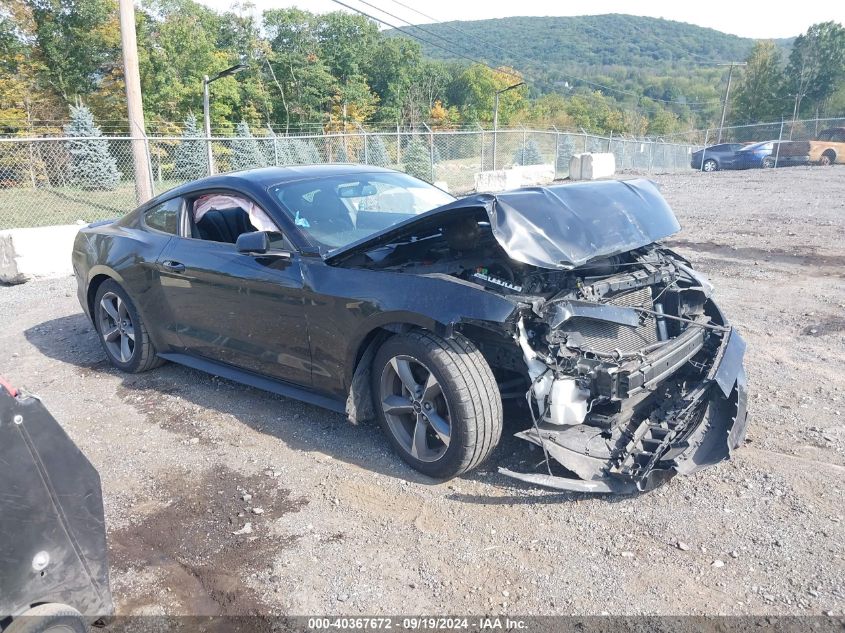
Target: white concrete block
point(495, 181)
point(532, 175)
point(42, 252)
point(514, 178)
point(593, 166)
point(575, 167)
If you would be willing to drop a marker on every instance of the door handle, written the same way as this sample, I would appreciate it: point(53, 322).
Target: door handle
point(174, 267)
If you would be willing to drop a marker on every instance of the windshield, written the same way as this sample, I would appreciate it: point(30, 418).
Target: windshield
point(338, 210)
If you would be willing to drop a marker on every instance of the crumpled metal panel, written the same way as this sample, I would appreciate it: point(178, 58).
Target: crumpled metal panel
point(566, 225)
point(556, 227)
point(51, 514)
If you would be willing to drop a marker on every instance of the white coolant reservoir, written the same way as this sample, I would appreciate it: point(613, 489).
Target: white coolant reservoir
point(567, 402)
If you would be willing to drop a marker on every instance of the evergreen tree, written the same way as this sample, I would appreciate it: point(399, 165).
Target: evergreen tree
point(377, 151)
point(418, 159)
point(528, 155)
point(303, 152)
point(92, 165)
point(246, 153)
point(340, 155)
point(191, 159)
point(565, 150)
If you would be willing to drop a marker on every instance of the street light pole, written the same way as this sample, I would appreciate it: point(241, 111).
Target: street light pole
point(206, 109)
point(496, 117)
point(727, 94)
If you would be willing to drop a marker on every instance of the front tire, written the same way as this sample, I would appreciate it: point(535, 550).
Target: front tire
point(121, 331)
point(437, 401)
point(711, 165)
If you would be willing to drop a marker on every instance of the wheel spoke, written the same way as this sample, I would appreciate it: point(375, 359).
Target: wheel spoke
point(125, 352)
point(108, 306)
point(121, 308)
point(397, 405)
point(441, 427)
point(431, 389)
point(419, 444)
point(129, 330)
point(403, 369)
point(111, 335)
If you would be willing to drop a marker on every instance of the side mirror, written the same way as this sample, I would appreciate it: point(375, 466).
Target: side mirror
point(256, 242)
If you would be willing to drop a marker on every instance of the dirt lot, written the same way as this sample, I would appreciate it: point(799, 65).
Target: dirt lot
point(337, 524)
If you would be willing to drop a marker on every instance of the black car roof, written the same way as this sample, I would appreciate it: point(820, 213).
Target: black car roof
point(263, 177)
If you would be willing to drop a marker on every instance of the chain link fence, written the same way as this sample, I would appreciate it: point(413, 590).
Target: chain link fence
point(48, 181)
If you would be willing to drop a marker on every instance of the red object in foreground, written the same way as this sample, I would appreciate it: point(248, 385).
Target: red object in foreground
point(12, 391)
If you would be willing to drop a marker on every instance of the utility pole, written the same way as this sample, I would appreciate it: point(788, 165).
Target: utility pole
point(727, 94)
point(134, 104)
point(496, 117)
point(206, 109)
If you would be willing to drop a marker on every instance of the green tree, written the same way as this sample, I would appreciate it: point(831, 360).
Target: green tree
point(816, 68)
point(191, 159)
point(758, 95)
point(92, 165)
point(246, 153)
point(528, 154)
point(376, 151)
point(418, 159)
point(474, 90)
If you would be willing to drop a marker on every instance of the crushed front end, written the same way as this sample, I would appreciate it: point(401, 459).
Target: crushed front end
point(635, 375)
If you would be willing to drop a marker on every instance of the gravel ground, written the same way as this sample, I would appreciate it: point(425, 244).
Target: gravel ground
point(221, 499)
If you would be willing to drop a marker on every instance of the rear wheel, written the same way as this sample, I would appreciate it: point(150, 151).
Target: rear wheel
point(827, 159)
point(123, 334)
point(711, 165)
point(768, 162)
point(438, 402)
point(49, 618)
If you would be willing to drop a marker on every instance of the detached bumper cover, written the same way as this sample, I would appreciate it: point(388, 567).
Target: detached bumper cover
point(52, 531)
point(698, 432)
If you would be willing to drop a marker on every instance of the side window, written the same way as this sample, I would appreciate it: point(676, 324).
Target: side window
point(164, 217)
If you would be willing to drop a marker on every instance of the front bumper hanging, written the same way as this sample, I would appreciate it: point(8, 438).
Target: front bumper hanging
point(698, 431)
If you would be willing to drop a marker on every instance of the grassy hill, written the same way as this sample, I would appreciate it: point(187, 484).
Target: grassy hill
point(554, 46)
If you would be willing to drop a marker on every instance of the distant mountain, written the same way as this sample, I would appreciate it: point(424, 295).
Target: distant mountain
point(552, 45)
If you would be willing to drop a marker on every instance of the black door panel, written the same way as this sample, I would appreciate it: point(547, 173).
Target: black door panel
point(245, 310)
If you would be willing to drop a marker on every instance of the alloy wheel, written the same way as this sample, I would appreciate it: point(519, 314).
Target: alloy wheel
point(415, 408)
point(116, 327)
point(710, 165)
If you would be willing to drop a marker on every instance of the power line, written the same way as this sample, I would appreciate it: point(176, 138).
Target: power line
point(417, 37)
point(523, 57)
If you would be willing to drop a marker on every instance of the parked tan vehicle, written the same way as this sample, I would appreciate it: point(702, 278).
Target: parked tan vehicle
point(827, 149)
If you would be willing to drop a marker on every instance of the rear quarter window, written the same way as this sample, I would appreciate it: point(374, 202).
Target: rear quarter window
point(164, 217)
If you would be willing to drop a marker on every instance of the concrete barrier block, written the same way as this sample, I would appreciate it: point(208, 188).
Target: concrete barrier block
point(514, 178)
point(532, 175)
point(575, 167)
point(598, 165)
point(42, 252)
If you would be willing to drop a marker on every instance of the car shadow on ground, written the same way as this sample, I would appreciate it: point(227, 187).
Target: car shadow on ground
point(301, 426)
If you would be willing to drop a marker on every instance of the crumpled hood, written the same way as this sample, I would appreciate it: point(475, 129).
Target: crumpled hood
point(557, 227)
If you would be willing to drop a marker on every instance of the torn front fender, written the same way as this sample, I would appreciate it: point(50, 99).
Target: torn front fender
point(699, 431)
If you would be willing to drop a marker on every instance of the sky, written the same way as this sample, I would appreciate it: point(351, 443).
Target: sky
point(782, 18)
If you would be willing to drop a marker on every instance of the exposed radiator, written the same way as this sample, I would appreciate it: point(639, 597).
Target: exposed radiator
point(601, 336)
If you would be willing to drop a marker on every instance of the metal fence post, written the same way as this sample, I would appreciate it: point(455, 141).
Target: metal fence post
point(557, 147)
point(780, 138)
point(610, 142)
point(149, 165)
point(704, 149)
point(398, 146)
point(481, 129)
point(524, 136)
point(430, 150)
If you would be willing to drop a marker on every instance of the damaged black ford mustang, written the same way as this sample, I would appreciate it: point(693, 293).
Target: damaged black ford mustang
point(369, 292)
